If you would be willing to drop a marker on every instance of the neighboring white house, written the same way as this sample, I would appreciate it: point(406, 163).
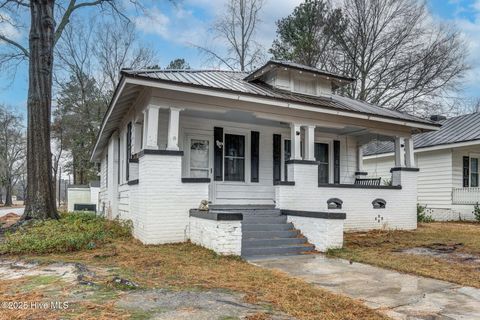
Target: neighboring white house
point(448, 160)
point(276, 143)
point(83, 197)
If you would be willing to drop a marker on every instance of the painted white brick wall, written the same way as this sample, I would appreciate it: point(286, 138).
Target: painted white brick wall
point(324, 234)
point(223, 237)
point(305, 195)
point(164, 201)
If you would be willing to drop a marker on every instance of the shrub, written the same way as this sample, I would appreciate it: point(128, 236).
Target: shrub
point(476, 212)
point(72, 232)
point(422, 216)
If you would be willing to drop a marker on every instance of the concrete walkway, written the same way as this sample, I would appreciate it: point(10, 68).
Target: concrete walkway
point(397, 295)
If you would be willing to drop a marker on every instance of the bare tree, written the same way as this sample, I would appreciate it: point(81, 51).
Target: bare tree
point(12, 151)
point(401, 59)
point(116, 47)
point(45, 32)
point(236, 30)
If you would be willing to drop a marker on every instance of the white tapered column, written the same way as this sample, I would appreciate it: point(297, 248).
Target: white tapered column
point(151, 127)
point(173, 129)
point(409, 155)
point(310, 143)
point(295, 141)
point(399, 152)
point(359, 159)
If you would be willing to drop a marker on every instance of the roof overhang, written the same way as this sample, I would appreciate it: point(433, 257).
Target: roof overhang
point(129, 80)
point(459, 144)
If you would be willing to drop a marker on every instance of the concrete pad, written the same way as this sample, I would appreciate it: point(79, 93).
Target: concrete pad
point(397, 295)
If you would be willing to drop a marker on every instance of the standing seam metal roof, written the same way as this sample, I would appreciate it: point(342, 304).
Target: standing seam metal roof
point(454, 130)
point(234, 82)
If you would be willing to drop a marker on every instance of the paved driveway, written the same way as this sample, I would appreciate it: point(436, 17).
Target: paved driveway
point(397, 295)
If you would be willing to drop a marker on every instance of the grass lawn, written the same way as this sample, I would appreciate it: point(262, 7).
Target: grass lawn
point(176, 267)
point(458, 245)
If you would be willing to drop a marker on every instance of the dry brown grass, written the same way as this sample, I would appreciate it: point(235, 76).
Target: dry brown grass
point(13, 291)
point(380, 248)
point(186, 266)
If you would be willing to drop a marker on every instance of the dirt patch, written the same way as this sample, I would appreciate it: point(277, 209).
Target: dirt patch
point(9, 219)
point(444, 251)
point(165, 304)
point(88, 289)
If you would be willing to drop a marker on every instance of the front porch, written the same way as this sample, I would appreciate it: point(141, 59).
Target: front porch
point(242, 155)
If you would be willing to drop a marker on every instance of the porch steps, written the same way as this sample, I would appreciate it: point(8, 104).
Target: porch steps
point(266, 232)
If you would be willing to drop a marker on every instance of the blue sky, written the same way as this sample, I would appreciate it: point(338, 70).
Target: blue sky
point(173, 30)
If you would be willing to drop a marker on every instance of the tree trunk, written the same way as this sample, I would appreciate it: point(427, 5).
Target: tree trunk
point(8, 194)
point(1, 196)
point(40, 198)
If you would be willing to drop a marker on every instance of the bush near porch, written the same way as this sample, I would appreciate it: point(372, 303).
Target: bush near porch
point(447, 251)
point(72, 232)
point(181, 266)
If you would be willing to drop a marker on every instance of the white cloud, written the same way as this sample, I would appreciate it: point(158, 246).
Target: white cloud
point(155, 22)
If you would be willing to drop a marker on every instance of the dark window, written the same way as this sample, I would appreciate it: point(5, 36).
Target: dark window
point(466, 171)
point(277, 157)
point(255, 156)
point(234, 157)
point(287, 147)
point(106, 170)
point(128, 151)
point(321, 155)
point(118, 161)
point(473, 172)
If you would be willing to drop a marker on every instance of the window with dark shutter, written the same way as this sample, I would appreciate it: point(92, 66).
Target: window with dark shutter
point(277, 157)
point(287, 154)
point(255, 156)
point(118, 160)
point(128, 151)
point(218, 154)
point(466, 171)
point(336, 161)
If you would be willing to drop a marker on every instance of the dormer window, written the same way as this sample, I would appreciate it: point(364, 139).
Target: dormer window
point(297, 78)
point(305, 85)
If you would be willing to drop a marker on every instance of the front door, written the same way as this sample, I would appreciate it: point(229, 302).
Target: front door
point(199, 160)
point(321, 155)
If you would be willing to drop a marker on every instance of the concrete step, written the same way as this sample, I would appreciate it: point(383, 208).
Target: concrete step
point(264, 219)
point(267, 227)
point(258, 243)
point(277, 250)
point(269, 234)
point(241, 207)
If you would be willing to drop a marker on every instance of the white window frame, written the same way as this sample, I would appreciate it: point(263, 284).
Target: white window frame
point(475, 156)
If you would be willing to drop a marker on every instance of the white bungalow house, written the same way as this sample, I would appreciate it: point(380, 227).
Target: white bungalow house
point(275, 152)
point(448, 160)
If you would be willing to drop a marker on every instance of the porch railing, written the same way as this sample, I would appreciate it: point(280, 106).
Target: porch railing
point(465, 195)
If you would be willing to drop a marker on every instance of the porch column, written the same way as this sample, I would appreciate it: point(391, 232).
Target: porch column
point(295, 136)
point(399, 152)
point(359, 159)
point(409, 155)
point(137, 136)
point(151, 127)
point(310, 143)
point(173, 127)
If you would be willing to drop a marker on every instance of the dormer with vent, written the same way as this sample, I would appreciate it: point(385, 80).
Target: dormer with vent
point(297, 78)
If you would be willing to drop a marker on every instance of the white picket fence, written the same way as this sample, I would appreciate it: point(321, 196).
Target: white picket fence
point(466, 195)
